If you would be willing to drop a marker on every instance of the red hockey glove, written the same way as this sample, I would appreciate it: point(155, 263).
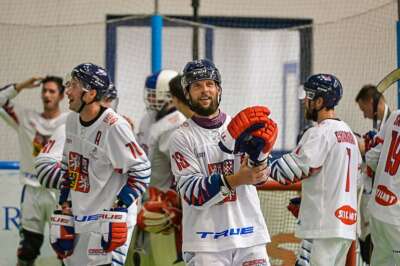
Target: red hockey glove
point(245, 122)
point(113, 228)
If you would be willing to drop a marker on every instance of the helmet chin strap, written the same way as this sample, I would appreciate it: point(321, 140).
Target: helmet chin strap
point(83, 104)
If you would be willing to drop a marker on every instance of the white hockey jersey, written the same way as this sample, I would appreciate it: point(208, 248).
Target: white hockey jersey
point(48, 162)
point(101, 159)
point(329, 197)
point(367, 181)
point(213, 221)
point(144, 129)
point(32, 129)
point(159, 140)
point(385, 159)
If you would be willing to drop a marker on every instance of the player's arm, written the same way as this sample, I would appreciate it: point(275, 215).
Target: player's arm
point(48, 163)
point(196, 189)
point(128, 158)
point(8, 110)
point(305, 161)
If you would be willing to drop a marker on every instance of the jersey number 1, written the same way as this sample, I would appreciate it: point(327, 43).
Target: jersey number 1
point(348, 171)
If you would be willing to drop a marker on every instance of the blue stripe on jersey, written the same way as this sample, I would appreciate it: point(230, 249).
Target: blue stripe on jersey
point(117, 262)
point(199, 190)
point(119, 252)
point(23, 194)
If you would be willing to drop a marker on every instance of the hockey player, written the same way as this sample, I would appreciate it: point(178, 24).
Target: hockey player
point(160, 214)
point(106, 172)
point(149, 117)
point(48, 162)
point(366, 98)
point(222, 219)
point(384, 209)
point(327, 160)
point(33, 129)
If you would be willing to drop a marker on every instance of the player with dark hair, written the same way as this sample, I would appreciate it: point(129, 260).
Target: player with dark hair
point(178, 96)
point(106, 171)
point(222, 219)
point(366, 98)
point(326, 160)
point(160, 214)
point(33, 130)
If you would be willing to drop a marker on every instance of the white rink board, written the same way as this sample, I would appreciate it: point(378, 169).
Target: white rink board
point(10, 194)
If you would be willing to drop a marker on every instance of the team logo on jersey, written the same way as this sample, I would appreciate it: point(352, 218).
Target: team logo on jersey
point(346, 214)
point(78, 172)
point(225, 168)
point(384, 196)
point(110, 119)
point(39, 141)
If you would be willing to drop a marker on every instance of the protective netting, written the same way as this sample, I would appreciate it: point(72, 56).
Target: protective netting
point(259, 63)
point(355, 41)
point(281, 225)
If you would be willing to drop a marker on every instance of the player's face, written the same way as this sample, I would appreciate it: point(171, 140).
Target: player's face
point(204, 96)
point(366, 108)
point(74, 91)
point(51, 96)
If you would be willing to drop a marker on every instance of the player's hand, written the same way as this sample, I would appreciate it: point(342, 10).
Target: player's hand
point(252, 132)
point(113, 228)
point(369, 139)
point(28, 84)
point(241, 125)
point(62, 234)
point(248, 175)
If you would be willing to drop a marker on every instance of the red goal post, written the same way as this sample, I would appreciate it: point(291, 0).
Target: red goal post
point(274, 199)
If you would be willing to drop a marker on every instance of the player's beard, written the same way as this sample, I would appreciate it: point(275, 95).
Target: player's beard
point(311, 113)
point(205, 111)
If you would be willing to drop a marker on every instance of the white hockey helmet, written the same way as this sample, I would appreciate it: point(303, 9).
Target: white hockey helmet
point(156, 91)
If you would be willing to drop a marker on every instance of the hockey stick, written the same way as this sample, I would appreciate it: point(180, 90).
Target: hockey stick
point(382, 86)
point(387, 81)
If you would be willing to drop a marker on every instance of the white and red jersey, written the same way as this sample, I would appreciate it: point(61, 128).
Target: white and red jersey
point(144, 129)
point(329, 196)
point(385, 158)
point(102, 158)
point(213, 220)
point(159, 142)
point(32, 129)
point(48, 162)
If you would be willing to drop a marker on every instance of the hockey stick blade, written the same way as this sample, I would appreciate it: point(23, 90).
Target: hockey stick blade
point(387, 81)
